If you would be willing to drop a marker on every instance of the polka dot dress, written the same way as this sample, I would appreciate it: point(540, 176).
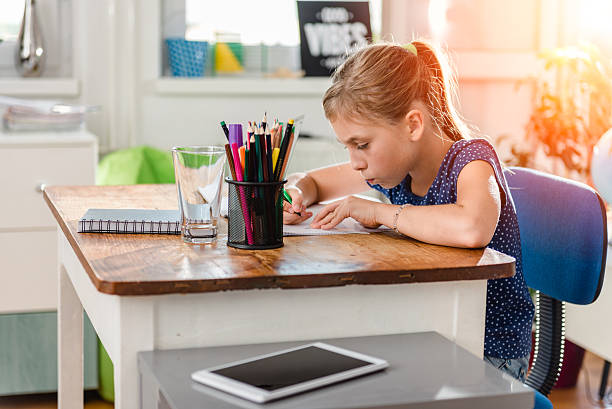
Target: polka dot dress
point(509, 307)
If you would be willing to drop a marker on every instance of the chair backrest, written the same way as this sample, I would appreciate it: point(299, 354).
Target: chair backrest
point(563, 234)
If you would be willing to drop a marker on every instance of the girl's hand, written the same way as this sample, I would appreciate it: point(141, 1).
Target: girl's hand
point(362, 210)
point(290, 210)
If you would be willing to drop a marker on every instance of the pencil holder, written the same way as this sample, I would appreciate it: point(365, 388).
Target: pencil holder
point(255, 212)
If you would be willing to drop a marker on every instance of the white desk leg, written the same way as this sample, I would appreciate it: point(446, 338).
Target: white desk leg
point(468, 320)
point(69, 344)
point(135, 334)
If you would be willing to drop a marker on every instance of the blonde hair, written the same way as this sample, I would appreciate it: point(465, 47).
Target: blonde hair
point(381, 81)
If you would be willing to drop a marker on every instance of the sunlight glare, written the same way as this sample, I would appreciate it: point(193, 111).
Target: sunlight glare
point(595, 16)
point(437, 17)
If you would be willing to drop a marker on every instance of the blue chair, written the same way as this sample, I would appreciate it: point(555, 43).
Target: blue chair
point(564, 243)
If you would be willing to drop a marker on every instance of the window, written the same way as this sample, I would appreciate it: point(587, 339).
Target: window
point(54, 18)
point(267, 31)
point(11, 13)
point(269, 22)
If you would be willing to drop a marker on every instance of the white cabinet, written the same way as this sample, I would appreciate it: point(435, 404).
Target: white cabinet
point(28, 255)
point(31, 167)
point(28, 278)
point(28, 245)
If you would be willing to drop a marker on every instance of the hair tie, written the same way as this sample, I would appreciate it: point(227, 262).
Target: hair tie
point(411, 47)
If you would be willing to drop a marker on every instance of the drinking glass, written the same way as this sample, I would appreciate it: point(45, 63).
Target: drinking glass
point(199, 175)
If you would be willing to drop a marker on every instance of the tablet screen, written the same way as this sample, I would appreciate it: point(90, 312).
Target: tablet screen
point(290, 368)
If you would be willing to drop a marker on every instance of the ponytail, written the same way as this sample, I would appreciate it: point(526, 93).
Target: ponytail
point(439, 91)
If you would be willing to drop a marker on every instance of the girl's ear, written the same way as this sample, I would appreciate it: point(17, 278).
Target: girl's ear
point(415, 122)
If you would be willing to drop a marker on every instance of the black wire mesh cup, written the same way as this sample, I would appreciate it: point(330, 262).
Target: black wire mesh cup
point(255, 213)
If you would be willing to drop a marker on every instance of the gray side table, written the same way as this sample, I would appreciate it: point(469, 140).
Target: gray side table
point(425, 371)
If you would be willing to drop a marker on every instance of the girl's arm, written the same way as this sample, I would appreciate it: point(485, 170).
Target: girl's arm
point(470, 222)
point(327, 183)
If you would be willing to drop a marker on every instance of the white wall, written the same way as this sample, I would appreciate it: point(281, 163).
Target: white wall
point(173, 120)
point(176, 120)
point(494, 43)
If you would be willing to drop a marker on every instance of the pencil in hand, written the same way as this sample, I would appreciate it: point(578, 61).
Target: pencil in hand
point(287, 198)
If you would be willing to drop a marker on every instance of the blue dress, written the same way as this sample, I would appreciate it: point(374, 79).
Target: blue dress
point(509, 311)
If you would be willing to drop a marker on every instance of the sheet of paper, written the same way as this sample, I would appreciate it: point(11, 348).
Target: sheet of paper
point(347, 226)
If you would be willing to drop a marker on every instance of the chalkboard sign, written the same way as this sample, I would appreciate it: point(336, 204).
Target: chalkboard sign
point(329, 30)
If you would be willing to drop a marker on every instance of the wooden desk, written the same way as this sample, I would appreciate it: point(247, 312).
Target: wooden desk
point(145, 292)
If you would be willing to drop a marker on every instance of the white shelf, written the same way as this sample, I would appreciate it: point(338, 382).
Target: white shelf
point(28, 87)
point(242, 86)
point(77, 137)
point(509, 66)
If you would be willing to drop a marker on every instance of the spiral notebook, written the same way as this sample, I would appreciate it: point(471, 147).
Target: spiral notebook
point(137, 221)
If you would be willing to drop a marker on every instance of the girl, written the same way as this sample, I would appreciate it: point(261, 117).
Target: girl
point(391, 107)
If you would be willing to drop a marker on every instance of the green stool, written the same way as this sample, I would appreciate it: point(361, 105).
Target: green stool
point(133, 166)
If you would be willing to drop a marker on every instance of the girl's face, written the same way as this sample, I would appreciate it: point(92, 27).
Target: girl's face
point(383, 154)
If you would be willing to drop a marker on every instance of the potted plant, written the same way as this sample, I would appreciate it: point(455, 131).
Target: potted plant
point(572, 109)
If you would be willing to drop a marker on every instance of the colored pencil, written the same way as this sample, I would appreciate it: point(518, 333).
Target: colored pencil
point(230, 160)
point(253, 161)
point(279, 140)
point(269, 157)
point(283, 150)
point(241, 152)
point(225, 130)
point(264, 158)
point(247, 165)
point(249, 134)
point(275, 153)
point(258, 162)
point(288, 154)
point(273, 135)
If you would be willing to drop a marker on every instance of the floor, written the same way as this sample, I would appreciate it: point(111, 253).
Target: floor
point(583, 396)
point(49, 401)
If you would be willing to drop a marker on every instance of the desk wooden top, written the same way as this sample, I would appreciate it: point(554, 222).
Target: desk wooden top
point(139, 264)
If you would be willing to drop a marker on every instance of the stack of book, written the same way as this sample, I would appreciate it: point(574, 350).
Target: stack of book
point(24, 115)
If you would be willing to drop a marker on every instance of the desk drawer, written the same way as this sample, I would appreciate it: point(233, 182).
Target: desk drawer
point(28, 277)
point(24, 169)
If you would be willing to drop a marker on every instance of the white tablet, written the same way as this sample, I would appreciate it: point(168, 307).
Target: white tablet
point(267, 377)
